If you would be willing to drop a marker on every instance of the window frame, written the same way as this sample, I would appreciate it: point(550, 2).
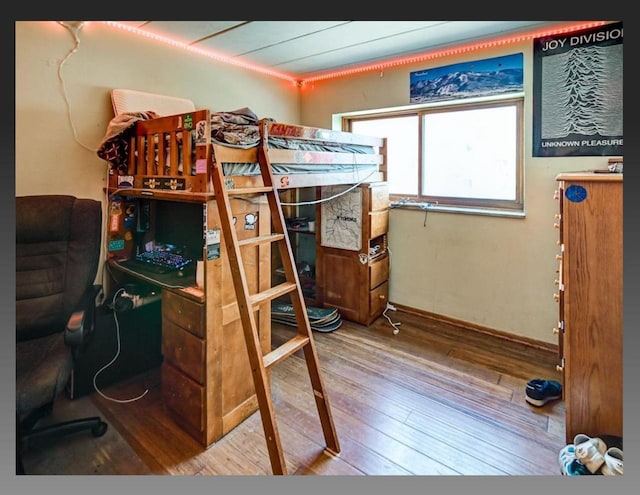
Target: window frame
point(446, 203)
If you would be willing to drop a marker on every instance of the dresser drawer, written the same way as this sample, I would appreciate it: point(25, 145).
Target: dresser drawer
point(378, 223)
point(379, 196)
point(378, 271)
point(184, 350)
point(184, 312)
point(184, 397)
point(378, 300)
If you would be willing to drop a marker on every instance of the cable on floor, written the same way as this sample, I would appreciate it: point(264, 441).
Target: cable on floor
point(95, 386)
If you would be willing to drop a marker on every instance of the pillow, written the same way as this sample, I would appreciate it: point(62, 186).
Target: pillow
point(129, 100)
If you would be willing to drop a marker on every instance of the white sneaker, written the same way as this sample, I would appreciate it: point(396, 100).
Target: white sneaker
point(590, 451)
point(612, 462)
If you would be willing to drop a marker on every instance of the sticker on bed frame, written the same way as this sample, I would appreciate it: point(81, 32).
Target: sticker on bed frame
point(363, 258)
point(115, 214)
point(188, 121)
point(173, 184)
point(250, 220)
point(284, 181)
point(212, 238)
point(150, 183)
point(169, 183)
point(125, 181)
point(201, 166)
point(116, 245)
point(201, 133)
point(229, 184)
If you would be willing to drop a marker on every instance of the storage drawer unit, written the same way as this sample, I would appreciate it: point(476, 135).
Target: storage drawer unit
point(206, 380)
point(356, 281)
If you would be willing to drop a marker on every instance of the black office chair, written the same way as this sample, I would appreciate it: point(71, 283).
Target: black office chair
point(57, 255)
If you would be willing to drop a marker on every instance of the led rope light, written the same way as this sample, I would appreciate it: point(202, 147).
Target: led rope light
point(445, 52)
point(204, 52)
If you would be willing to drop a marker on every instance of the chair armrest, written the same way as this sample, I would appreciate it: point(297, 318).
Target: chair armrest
point(81, 322)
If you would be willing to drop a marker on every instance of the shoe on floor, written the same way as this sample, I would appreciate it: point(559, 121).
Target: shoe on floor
point(590, 451)
point(538, 391)
point(569, 463)
point(612, 462)
point(566, 456)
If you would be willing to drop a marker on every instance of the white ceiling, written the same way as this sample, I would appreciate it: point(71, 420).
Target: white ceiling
point(305, 48)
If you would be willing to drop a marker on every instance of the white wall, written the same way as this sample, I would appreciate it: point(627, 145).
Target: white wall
point(492, 272)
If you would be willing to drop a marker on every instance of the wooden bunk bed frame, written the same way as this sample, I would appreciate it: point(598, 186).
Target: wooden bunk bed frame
point(205, 374)
point(158, 170)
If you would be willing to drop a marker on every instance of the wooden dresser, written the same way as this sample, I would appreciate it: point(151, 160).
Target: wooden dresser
point(589, 295)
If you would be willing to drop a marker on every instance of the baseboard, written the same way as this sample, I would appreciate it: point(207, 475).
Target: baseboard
point(465, 325)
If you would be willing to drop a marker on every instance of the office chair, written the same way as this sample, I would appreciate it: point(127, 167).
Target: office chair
point(57, 255)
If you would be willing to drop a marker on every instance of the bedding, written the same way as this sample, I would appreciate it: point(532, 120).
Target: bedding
point(176, 152)
point(238, 128)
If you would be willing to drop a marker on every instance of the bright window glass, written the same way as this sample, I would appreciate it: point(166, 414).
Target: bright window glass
point(466, 155)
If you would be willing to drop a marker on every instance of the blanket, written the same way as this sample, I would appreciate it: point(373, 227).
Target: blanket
point(237, 128)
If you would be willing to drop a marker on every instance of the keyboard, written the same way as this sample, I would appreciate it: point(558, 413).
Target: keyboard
point(162, 261)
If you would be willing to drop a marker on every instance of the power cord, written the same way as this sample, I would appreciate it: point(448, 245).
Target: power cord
point(74, 27)
point(342, 193)
point(95, 386)
point(394, 324)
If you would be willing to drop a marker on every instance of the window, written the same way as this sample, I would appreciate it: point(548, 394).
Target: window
point(464, 155)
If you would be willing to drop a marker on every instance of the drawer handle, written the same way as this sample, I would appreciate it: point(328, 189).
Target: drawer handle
point(556, 330)
point(556, 297)
point(559, 368)
point(382, 297)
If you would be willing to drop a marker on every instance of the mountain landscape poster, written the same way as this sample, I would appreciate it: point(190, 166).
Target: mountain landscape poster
point(491, 76)
point(577, 93)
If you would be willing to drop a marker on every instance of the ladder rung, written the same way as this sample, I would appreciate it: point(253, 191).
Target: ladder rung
point(285, 350)
point(273, 293)
point(249, 190)
point(261, 239)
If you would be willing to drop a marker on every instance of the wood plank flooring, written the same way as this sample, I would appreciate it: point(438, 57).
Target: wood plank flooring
point(433, 400)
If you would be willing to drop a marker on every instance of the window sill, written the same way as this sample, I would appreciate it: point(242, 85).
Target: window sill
point(409, 205)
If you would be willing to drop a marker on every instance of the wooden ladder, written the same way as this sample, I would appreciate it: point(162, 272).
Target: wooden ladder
point(249, 303)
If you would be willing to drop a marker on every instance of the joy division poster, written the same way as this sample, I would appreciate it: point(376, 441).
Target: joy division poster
point(577, 93)
point(490, 76)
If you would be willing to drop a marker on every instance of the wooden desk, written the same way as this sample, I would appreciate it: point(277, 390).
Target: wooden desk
point(207, 385)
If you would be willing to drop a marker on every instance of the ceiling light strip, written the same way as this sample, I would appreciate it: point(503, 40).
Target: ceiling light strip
point(200, 51)
point(421, 57)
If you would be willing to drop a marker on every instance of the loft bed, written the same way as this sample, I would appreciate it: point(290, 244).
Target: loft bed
point(170, 155)
point(167, 152)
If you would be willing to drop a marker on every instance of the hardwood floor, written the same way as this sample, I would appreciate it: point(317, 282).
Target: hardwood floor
point(432, 400)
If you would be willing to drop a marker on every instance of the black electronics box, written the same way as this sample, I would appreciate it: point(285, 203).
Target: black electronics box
point(140, 333)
